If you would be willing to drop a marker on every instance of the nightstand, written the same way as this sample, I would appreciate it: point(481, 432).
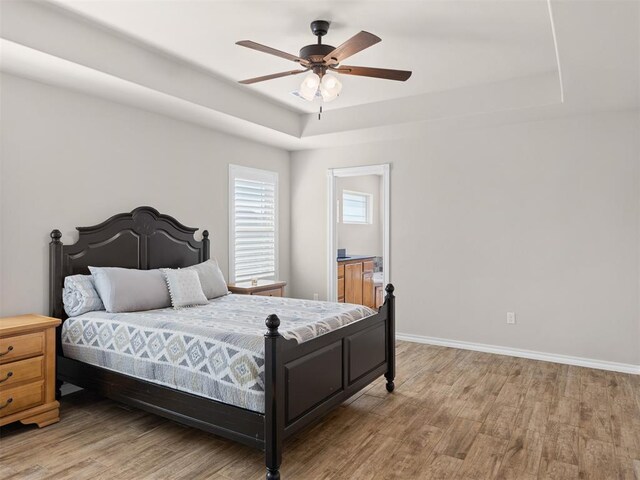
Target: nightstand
point(268, 288)
point(28, 370)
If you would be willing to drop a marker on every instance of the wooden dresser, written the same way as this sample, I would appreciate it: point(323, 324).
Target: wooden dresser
point(355, 281)
point(267, 288)
point(27, 370)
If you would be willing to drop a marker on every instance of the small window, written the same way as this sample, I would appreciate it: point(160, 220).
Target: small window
point(356, 207)
point(253, 219)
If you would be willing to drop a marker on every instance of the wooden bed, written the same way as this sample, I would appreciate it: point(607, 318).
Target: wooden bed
point(302, 381)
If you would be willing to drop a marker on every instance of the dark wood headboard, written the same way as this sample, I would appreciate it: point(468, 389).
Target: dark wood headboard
point(142, 239)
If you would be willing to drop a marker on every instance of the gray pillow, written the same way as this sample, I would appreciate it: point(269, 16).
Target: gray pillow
point(211, 278)
point(184, 287)
point(130, 290)
point(79, 295)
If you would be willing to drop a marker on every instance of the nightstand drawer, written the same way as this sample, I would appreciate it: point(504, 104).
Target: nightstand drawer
point(276, 292)
point(19, 371)
point(21, 346)
point(20, 398)
point(265, 288)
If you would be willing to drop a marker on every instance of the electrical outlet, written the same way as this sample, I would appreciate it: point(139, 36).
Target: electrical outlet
point(511, 318)
point(315, 296)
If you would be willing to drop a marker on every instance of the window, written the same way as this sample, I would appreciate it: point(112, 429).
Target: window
point(356, 207)
point(253, 224)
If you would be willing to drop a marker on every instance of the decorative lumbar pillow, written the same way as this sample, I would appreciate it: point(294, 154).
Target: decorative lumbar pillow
point(184, 287)
point(130, 290)
point(80, 296)
point(211, 278)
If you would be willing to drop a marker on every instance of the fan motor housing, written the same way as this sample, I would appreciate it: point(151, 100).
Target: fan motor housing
point(315, 53)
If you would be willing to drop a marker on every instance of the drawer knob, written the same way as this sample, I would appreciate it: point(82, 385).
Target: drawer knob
point(9, 400)
point(9, 348)
point(9, 375)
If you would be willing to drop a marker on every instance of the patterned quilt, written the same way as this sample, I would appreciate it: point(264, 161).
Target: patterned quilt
point(214, 350)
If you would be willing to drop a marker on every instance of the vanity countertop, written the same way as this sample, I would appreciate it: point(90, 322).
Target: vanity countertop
point(355, 257)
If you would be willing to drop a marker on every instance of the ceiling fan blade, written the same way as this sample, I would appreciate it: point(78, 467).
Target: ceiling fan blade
point(272, 76)
point(355, 44)
point(400, 75)
point(272, 51)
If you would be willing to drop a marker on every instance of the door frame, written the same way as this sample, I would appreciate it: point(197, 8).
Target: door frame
point(332, 241)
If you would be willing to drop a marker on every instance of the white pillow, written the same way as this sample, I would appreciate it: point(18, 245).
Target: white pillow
point(80, 296)
point(129, 289)
point(211, 278)
point(184, 287)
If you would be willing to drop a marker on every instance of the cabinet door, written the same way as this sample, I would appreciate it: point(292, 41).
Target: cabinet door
point(353, 283)
point(341, 283)
point(368, 290)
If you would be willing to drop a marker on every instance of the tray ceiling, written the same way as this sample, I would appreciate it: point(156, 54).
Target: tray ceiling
point(447, 44)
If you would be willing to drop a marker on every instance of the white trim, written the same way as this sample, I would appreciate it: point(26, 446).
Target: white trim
point(517, 352)
point(386, 227)
point(359, 171)
point(332, 267)
point(555, 45)
point(262, 175)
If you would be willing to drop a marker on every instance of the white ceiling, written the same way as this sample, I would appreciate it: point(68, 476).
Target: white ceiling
point(474, 61)
point(447, 44)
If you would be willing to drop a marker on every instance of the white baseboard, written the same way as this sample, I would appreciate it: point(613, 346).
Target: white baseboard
point(517, 352)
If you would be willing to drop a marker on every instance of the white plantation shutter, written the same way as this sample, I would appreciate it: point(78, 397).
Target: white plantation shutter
point(253, 198)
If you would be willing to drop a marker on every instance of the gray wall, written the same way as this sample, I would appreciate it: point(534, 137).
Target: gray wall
point(72, 160)
point(361, 239)
point(538, 218)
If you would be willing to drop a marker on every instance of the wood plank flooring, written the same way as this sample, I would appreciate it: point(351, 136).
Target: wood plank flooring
point(455, 414)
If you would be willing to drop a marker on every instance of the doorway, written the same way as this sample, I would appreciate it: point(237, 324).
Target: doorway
point(358, 252)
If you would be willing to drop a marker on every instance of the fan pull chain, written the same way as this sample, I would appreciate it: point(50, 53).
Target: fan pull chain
point(320, 113)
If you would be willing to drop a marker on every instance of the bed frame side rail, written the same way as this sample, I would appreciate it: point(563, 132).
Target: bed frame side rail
point(228, 421)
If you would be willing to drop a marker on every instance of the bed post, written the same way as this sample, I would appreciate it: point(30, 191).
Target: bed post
point(390, 301)
point(55, 274)
point(205, 246)
point(55, 291)
point(273, 398)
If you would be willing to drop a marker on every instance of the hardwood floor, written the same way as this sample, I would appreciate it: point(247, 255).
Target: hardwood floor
point(455, 414)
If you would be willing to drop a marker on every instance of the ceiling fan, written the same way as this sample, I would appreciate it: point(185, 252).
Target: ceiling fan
point(321, 60)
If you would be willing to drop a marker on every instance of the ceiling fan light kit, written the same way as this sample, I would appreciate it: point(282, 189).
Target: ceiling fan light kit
point(309, 86)
point(330, 87)
point(322, 61)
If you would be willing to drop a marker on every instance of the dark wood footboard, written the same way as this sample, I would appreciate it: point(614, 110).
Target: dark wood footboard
point(304, 381)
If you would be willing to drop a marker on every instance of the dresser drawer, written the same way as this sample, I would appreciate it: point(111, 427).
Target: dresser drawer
point(19, 371)
point(15, 399)
point(21, 346)
point(276, 292)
